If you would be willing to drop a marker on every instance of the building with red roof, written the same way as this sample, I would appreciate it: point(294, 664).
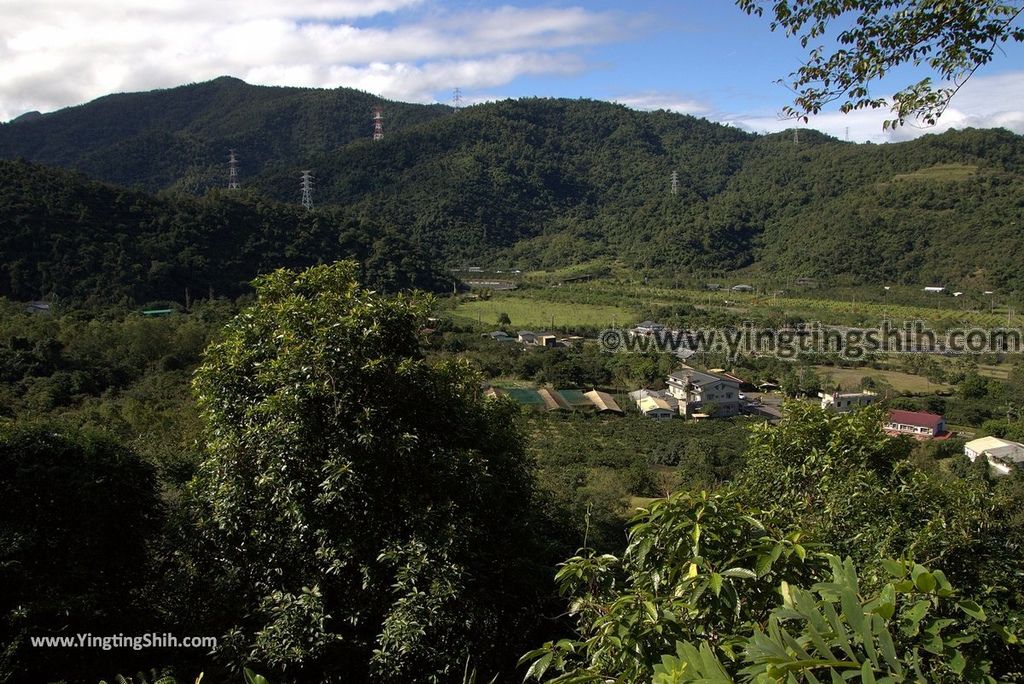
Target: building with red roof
point(916, 424)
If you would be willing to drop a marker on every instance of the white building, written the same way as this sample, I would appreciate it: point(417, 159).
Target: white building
point(655, 404)
point(697, 390)
point(648, 328)
point(917, 424)
point(844, 402)
point(1002, 455)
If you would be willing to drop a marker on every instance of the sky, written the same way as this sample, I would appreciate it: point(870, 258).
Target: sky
point(700, 57)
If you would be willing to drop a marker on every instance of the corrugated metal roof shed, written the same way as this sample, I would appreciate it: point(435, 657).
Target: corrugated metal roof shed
point(553, 401)
point(603, 401)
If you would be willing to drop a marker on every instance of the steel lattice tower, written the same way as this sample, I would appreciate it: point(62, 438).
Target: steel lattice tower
point(675, 182)
point(232, 170)
point(457, 98)
point(307, 190)
point(378, 123)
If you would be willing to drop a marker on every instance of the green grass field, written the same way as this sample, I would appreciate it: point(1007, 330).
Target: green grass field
point(828, 311)
point(940, 172)
point(535, 313)
point(999, 371)
point(849, 379)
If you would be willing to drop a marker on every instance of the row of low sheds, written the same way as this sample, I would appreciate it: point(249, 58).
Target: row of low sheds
point(549, 399)
point(528, 338)
point(700, 394)
point(690, 393)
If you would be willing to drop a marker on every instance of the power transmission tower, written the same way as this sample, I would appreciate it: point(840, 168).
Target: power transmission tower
point(378, 123)
point(796, 135)
point(307, 190)
point(232, 170)
point(675, 182)
point(457, 98)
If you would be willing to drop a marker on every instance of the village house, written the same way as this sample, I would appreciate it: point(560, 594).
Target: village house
point(1002, 455)
point(656, 404)
point(37, 308)
point(844, 402)
point(648, 328)
point(697, 391)
point(917, 424)
point(532, 339)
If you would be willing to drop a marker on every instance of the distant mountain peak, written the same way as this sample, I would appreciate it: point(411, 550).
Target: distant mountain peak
point(27, 116)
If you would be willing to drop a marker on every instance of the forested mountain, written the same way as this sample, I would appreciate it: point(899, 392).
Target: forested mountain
point(64, 235)
point(180, 137)
point(540, 183)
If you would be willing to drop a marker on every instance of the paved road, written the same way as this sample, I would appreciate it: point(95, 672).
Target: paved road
point(767, 405)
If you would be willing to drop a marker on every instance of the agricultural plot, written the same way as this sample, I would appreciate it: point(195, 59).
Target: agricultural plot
point(536, 313)
point(850, 378)
point(756, 306)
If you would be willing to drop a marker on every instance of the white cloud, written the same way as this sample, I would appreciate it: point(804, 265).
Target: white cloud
point(673, 102)
point(415, 83)
point(61, 52)
point(984, 102)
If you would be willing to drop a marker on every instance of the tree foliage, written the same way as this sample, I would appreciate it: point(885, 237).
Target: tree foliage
point(370, 507)
point(530, 184)
point(68, 239)
point(78, 513)
point(952, 39)
point(916, 628)
point(733, 585)
point(697, 566)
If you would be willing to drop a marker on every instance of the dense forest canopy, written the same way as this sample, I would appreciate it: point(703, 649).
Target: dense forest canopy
point(180, 137)
point(532, 183)
point(63, 236)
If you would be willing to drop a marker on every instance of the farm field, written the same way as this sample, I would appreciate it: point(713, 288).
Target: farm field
point(854, 312)
point(940, 172)
point(849, 379)
point(537, 313)
point(999, 371)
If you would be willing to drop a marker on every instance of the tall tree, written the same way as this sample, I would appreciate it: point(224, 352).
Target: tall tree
point(372, 508)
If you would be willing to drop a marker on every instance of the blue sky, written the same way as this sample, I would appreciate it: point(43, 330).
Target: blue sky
point(703, 58)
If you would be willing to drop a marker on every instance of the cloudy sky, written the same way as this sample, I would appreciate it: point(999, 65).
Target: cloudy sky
point(696, 56)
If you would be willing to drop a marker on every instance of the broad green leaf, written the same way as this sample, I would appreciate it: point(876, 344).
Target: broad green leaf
point(925, 582)
point(972, 609)
point(539, 667)
point(957, 663)
point(742, 573)
point(894, 568)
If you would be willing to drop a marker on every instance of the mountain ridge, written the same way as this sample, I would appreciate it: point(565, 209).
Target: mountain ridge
point(549, 182)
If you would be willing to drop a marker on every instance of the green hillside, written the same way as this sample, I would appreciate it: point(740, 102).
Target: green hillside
point(180, 137)
point(549, 183)
point(64, 235)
